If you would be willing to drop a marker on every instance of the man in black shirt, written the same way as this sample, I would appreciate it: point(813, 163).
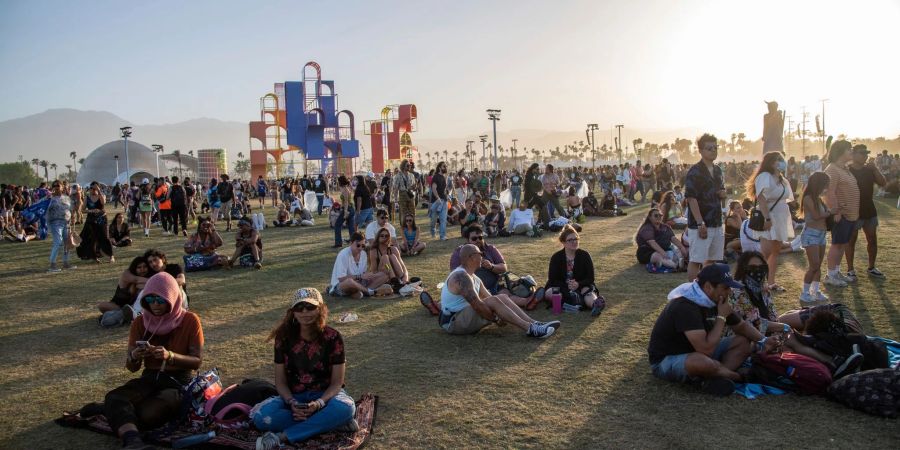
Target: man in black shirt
point(515, 187)
point(190, 191)
point(178, 199)
point(867, 175)
point(226, 196)
point(319, 187)
point(438, 210)
point(704, 191)
point(686, 343)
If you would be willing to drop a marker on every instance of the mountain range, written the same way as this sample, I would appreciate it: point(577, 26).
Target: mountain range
point(54, 133)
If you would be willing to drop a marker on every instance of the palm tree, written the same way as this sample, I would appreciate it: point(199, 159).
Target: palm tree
point(733, 137)
point(44, 163)
point(81, 161)
point(240, 156)
point(446, 155)
point(68, 171)
point(35, 162)
point(740, 140)
point(455, 157)
point(55, 173)
point(73, 155)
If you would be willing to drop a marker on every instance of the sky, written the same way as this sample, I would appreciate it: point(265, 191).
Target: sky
point(549, 65)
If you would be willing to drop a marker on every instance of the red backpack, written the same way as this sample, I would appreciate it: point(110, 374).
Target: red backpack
point(807, 375)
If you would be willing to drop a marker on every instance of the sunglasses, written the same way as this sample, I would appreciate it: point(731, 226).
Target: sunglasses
point(305, 307)
point(476, 238)
point(360, 245)
point(155, 299)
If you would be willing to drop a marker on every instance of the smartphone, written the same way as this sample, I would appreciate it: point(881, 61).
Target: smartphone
point(142, 344)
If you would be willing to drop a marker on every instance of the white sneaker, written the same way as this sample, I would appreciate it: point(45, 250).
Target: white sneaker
point(836, 282)
point(850, 277)
point(821, 297)
point(806, 298)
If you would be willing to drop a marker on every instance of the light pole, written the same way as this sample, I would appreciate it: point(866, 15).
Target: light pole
point(619, 143)
point(825, 150)
point(126, 133)
point(494, 116)
point(592, 127)
point(116, 157)
point(515, 153)
point(470, 153)
point(483, 139)
point(157, 149)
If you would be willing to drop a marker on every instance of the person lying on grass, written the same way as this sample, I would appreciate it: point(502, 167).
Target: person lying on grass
point(687, 343)
point(492, 265)
point(309, 377)
point(467, 307)
point(131, 281)
point(349, 277)
point(167, 341)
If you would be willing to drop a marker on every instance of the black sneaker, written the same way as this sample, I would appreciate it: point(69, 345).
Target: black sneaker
point(848, 365)
point(719, 387)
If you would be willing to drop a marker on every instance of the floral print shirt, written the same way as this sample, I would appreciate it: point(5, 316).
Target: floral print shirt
point(308, 364)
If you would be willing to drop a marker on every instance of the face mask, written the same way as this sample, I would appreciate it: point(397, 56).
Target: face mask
point(781, 166)
point(758, 274)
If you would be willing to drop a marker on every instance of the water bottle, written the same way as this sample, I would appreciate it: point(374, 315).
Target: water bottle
point(191, 441)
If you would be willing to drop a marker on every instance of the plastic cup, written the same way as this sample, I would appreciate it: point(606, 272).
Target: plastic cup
point(556, 302)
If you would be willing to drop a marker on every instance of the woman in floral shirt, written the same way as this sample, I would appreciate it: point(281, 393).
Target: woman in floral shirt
point(309, 377)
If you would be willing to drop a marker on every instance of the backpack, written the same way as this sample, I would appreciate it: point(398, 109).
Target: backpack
point(793, 372)
point(231, 408)
point(199, 390)
point(177, 194)
point(875, 392)
point(519, 286)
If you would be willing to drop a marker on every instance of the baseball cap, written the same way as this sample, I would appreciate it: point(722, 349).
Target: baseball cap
point(145, 181)
point(307, 295)
point(860, 149)
point(717, 274)
point(371, 174)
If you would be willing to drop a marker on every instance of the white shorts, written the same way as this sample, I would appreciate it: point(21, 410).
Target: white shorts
point(710, 249)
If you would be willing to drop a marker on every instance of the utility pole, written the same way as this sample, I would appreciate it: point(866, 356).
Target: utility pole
point(789, 134)
point(483, 139)
point(619, 143)
point(803, 132)
point(593, 127)
point(515, 155)
point(824, 134)
point(494, 116)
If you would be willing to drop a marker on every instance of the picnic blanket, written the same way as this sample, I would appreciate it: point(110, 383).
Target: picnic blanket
point(244, 439)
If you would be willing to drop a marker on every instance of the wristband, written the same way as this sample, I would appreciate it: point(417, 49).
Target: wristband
point(721, 317)
point(320, 402)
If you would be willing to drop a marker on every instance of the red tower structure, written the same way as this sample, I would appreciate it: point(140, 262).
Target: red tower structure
point(392, 133)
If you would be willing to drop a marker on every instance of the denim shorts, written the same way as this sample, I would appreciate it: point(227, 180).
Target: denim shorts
point(812, 236)
point(671, 368)
point(871, 222)
point(840, 233)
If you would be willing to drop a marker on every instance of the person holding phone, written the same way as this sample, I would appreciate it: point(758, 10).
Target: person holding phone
point(167, 341)
point(309, 376)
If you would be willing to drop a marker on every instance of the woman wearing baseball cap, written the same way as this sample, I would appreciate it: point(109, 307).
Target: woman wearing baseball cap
point(309, 377)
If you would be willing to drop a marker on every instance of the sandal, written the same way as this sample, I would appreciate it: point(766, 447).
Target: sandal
point(428, 302)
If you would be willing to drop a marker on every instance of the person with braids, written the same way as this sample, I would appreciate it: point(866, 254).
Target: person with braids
point(309, 377)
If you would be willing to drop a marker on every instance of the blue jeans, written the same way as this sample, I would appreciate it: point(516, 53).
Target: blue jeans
point(365, 216)
point(671, 368)
point(346, 216)
point(320, 197)
point(438, 211)
point(275, 416)
point(516, 192)
point(59, 230)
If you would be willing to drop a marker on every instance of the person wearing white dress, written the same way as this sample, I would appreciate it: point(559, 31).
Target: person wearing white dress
point(772, 193)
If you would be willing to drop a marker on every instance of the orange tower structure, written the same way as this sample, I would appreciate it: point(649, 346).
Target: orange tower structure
point(392, 132)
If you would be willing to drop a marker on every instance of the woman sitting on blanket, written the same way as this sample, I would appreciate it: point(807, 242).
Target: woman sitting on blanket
point(200, 248)
point(309, 377)
point(571, 274)
point(754, 304)
point(131, 281)
point(657, 243)
point(167, 341)
point(385, 257)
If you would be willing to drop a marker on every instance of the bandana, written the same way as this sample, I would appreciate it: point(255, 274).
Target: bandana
point(693, 292)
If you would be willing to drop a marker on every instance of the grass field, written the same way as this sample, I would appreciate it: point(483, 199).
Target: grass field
point(588, 386)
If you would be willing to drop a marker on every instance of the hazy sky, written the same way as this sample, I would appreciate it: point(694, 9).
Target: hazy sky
point(556, 65)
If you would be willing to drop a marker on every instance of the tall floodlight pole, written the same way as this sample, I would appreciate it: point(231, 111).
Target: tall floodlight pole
point(515, 154)
point(471, 153)
point(494, 116)
point(157, 149)
point(824, 134)
point(619, 143)
point(116, 157)
point(126, 133)
point(483, 139)
point(593, 127)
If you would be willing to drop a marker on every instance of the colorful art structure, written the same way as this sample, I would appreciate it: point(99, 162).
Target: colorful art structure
point(303, 116)
point(392, 133)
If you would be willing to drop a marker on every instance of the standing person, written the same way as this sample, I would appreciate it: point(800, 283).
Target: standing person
point(190, 192)
point(813, 236)
point(439, 189)
point(772, 192)
point(116, 195)
point(319, 187)
point(145, 205)
point(462, 186)
point(95, 234)
point(867, 175)
point(550, 181)
point(77, 204)
point(515, 187)
point(309, 377)
point(704, 192)
point(403, 190)
point(59, 214)
point(534, 193)
point(213, 199)
point(178, 204)
point(843, 201)
point(345, 211)
point(226, 196)
point(364, 202)
point(167, 340)
point(165, 205)
point(261, 190)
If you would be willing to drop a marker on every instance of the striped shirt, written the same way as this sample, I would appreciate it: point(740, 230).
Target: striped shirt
point(846, 191)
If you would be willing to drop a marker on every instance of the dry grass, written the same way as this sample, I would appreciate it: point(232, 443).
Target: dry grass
point(586, 387)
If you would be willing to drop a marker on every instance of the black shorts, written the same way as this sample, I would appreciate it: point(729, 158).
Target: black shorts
point(644, 253)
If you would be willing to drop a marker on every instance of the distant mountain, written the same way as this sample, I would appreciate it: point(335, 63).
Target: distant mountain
point(52, 134)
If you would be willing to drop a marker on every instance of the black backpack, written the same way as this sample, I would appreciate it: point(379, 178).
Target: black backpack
point(177, 195)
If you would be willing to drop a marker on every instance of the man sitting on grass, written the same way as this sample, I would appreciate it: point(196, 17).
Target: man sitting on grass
point(381, 221)
point(521, 221)
point(467, 307)
point(349, 277)
point(492, 265)
point(686, 344)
